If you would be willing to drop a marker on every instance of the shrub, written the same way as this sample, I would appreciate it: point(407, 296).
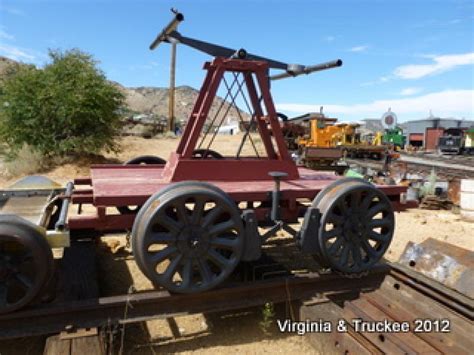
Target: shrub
point(68, 107)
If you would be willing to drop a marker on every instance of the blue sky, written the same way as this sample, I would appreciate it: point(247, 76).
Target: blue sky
point(412, 56)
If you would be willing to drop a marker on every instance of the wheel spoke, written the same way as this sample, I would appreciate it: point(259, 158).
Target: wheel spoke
point(198, 210)
point(158, 257)
point(334, 248)
point(171, 269)
point(367, 200)
point(378, 237)
point(173, 226)
point(344, 255)
point(211, 216)
point(379, 207)
point(355, 199)
point(335, 232)
point(24, 281)
point(384, 222)
point(186, 275)
point(224, 243)
point(369, 249)
point(356, 255)
point(221, 227)
point(334, 218)
point(342, 205)
point(182, 212)
point(160, 238)
point(218, 259)
point(204, 270)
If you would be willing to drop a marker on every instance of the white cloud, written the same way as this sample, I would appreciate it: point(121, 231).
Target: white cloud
point(381, 80)
point(6, 36)
point(16, 53)
point(359, 48)
point(11, 10)
point(441, 63)
point(457, 103)
point(410, 91)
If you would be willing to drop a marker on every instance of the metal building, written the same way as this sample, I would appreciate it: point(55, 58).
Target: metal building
point(425, 132)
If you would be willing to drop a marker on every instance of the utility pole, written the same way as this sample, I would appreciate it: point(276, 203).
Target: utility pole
point(171, 117)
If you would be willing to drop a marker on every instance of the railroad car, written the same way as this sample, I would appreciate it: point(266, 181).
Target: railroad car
point(452, 141)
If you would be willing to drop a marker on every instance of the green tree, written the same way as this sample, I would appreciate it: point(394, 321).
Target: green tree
point(68, 107)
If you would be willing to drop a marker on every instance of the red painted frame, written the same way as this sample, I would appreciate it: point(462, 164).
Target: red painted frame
point(244, 179)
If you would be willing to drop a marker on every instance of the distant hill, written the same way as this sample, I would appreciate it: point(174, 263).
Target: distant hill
point(154, 100)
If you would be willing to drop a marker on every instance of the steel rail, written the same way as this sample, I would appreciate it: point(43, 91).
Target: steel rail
point(107, 311)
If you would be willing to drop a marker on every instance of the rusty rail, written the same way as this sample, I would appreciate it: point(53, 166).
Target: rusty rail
point(106, 311)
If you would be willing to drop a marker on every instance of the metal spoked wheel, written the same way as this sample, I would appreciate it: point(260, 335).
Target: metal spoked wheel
point(26, 263)
point(141, 160)
point(206, 154)
point(356, 227)
point(189, 239)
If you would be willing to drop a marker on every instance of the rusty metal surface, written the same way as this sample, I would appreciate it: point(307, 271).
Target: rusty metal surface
point(448, 264)
point(401, 298)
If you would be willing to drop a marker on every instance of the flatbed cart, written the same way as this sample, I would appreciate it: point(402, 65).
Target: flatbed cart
point(194, 218)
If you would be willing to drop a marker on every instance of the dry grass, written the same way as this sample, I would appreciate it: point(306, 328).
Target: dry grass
point(27, 162)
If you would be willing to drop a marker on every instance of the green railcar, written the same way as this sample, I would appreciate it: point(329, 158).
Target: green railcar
point(394, 136)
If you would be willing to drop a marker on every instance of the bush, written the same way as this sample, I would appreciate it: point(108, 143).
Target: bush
point(68, 107)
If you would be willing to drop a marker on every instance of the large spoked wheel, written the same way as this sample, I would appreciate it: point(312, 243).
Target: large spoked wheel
point(141, 160)
point(356, 227)
point(26, 263)
point(189, 238)
point(206, 154)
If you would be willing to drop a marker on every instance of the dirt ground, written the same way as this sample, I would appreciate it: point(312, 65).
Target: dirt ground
point(235, 332)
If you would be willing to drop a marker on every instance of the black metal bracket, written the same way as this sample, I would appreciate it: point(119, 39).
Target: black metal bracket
point(307, 238)
point(253, 240)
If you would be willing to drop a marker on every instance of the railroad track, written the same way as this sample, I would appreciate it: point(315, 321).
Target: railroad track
point(423, 167)
point(138, 307)
point(390, 291)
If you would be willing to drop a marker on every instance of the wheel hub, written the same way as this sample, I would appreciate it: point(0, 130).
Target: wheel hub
point(193, 241)
point(354, 226)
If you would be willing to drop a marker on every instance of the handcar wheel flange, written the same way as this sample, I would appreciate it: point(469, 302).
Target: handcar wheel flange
point(26, 264)
point(191, 240)
point(356, 227)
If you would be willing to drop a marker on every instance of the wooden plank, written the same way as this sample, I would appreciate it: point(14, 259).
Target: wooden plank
point(77, 273)
point(56, 346)
point(88, 345)
point(92, 345)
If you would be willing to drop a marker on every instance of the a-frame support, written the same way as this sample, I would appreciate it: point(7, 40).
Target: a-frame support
point(182, 166)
